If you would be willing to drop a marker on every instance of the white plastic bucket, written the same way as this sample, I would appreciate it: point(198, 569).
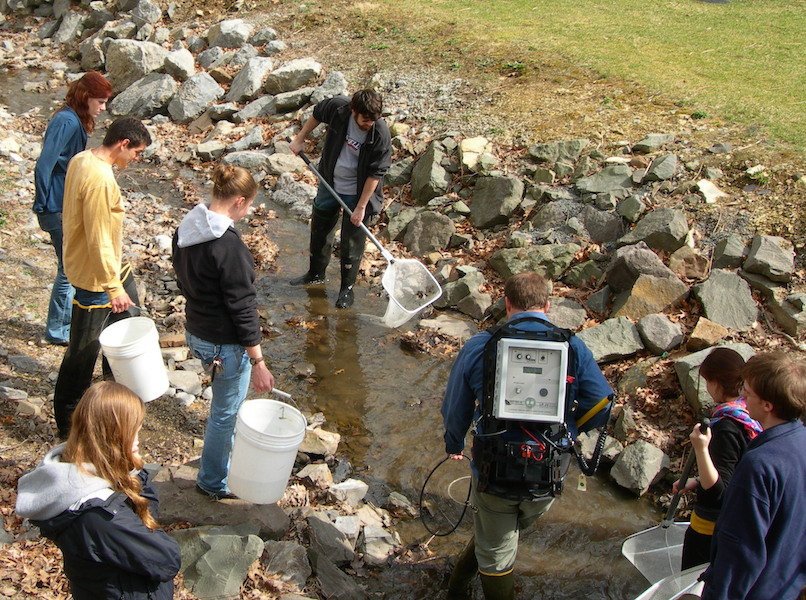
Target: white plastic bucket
point(267, 435)
point(132, 348)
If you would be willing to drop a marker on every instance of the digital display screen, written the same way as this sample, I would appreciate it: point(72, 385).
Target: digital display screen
point(533, 370)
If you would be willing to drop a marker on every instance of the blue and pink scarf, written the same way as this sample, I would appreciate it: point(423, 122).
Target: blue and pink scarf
point(736, 410)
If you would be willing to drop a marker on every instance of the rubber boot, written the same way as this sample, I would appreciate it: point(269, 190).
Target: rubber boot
point(353, 240)
point(498, 587)
point(323, 226)
point(349, 273)
point(463, 573)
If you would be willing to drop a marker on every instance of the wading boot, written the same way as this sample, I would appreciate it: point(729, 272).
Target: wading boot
point(498, 587)
point(463, 573)
point(352, 249)
point(321, 246)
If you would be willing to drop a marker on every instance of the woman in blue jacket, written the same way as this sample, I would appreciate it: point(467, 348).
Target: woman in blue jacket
point(93, 498)
point(65, 137)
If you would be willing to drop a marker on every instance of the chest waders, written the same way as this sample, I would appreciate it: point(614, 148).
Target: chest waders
point(528, 459)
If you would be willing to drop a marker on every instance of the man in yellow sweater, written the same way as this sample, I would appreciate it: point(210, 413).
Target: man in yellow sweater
point(93, 248)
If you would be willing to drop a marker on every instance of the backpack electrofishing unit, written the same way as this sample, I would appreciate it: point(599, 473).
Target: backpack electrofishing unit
point(521, 445)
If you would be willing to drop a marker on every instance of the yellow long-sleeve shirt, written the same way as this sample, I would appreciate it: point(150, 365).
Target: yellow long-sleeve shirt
point(92, 220)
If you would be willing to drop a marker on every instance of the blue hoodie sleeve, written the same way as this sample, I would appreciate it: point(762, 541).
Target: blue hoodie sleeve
point(64, 138)
point(465, 388)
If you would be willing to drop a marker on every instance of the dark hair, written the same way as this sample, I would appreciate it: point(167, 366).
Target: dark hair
point(780, 380)
point(91, 85)
point(229, 181)
point(724, 366)
point(527, 290)
point(104, 425)
point(127, 128)
point(368, 103)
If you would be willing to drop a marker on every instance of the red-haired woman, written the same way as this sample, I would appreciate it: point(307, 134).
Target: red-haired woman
point(65, 137)
point(718, 451)
point(93, 498)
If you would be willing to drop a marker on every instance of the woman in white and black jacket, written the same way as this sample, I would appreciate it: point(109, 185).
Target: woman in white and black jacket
point(93, 498)
point(216, 274)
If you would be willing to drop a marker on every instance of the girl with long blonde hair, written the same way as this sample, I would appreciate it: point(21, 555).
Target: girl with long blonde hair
point(93, 498)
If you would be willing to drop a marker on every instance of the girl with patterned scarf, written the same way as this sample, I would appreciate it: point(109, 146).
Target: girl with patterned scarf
point(717, 451)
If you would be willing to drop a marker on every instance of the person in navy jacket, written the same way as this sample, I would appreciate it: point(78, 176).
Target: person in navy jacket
point(759, 546)
point(94, 499)
point(498, 520)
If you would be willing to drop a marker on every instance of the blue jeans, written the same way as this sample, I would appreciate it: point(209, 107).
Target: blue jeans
point(60, 308)
point(229, 390)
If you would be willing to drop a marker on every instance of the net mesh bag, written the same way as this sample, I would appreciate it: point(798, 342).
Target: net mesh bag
point(411, 287)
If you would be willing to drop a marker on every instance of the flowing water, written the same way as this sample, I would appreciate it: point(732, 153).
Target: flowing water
point(384, 401)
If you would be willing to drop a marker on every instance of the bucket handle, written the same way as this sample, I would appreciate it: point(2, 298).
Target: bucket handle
point(110, 313)
point(285, 396)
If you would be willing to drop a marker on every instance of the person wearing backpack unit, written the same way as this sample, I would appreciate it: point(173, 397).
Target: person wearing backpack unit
point(503, 506)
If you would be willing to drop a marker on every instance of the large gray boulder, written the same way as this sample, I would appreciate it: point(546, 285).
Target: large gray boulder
point(653, 142)
point(231, 33)
point(428, 231)
point(130, 60)
point(550, 260)
point(193, 98)
point(180, 64)
point(638, 466)
point(610, 179)
point(612, 340)
point(659, 334)
point(69, 28)
point(602, 226)
point(630, 262)
point(648, 295)
point(494, 200)
point(333, 582)
point(335, 84)
point(146, 12)
point(326, 539)
point(726, 299)
point(771, 256)
point(428, 178)
point(145, 98)
point(215, 560)
point(567, 313)
point(250, 79)
point(292, 75)
point(662, 168)
point(552, 152)
point(251, 160)
point(288, 561)
point(662, 229)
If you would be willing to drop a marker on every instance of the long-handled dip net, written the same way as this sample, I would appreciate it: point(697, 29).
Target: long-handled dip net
point(410, 285)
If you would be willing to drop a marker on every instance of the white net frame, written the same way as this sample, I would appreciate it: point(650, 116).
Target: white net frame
point(411, 287)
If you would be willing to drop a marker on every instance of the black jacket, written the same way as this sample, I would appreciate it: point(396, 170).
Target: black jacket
point(373, 159)
point(109, 554)
point(728, 443)
point(217, 277)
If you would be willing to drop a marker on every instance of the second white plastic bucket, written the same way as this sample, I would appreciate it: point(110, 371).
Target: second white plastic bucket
point(267, 435)
point(132, 348)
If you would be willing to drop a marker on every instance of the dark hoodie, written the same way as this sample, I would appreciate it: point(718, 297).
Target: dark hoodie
point(108, 552)
point(216, 274)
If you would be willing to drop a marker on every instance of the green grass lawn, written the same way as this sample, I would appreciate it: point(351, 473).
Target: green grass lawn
point(744, 61)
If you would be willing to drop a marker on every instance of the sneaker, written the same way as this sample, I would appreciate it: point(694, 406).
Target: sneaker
point(46, 341)
point(216, 496)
